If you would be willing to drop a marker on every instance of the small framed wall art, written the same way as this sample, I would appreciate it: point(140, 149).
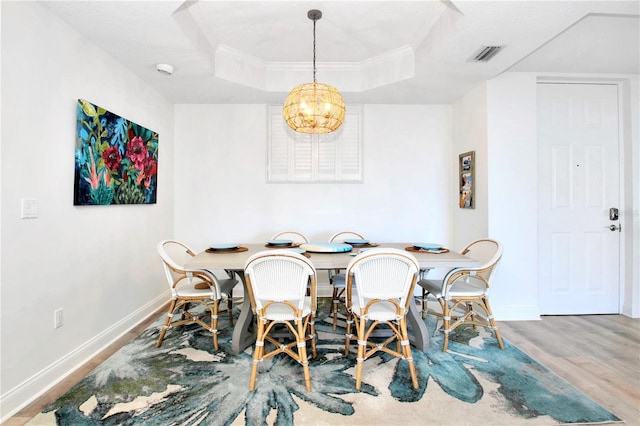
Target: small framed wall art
point(116, 159)
point(467, 178)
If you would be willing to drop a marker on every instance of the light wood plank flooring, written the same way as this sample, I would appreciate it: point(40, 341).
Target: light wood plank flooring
point(598, 354)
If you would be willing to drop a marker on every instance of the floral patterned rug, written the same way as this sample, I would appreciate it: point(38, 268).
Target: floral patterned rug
point(186, 382)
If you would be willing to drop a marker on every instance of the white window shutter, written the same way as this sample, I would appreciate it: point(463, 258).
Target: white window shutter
point(314, 158)
point(278, 152)
point(350, 158)
point(301, 164)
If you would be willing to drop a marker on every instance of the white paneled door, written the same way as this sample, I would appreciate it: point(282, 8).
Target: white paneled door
point(578, 173)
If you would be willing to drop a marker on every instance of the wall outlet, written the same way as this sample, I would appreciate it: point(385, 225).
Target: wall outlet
point(57, 318)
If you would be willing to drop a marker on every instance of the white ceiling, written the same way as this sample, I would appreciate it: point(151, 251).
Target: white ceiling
point(372, 51)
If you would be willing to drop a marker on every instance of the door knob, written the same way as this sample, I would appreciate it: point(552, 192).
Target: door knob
point(614, 228)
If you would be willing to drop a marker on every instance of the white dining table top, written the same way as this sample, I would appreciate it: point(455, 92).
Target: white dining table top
point(322, 261)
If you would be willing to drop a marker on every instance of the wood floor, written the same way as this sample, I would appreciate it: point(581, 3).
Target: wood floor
point(598, 354)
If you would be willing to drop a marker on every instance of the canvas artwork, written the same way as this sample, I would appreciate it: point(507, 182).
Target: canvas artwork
point(116, 159)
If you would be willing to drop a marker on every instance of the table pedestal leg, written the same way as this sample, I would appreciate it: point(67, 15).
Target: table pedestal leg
point(243, 334)
point(420, 337)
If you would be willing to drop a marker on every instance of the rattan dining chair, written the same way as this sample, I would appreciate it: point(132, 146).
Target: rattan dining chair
point(295, 236)
point(277, 283)
point(384, 279)
point(463, 290)
point(191, 288)
point(337, 278)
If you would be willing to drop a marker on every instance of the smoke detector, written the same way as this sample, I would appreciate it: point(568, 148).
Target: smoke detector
point(165, 69)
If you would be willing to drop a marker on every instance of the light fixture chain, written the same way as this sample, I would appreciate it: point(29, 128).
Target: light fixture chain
point(314, 50)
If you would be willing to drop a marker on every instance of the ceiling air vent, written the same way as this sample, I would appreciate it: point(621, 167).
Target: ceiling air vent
point(486, 53)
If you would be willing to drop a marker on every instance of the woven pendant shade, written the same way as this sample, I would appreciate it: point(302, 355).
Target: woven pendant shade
point(314, 108)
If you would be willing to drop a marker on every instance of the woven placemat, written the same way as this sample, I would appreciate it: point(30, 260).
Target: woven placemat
point(233, 250)
point(418, 250)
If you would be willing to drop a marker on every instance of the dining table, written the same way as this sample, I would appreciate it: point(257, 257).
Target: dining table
point(233, 261)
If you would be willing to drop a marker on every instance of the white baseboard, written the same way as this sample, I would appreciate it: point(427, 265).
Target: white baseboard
point(634, 312)
point(512, 313)
point(26, 392)
point(522, 313)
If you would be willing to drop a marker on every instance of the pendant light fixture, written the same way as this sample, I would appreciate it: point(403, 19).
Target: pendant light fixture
point(314, 107)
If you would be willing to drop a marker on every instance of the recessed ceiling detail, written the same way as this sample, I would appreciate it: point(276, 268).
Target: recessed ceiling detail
point(375, 51)
point(237, 66)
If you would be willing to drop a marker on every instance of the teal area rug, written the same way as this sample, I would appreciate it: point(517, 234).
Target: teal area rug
point(186, 382)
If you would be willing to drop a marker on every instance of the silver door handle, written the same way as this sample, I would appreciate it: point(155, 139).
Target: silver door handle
point(614, 228)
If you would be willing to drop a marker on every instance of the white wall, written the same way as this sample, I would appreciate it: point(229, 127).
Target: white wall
point(222, 196)
point(497, 120)
point(631, 182)
point(512, 216)
point(512, 201)
point(470, 134)
point(97, 263)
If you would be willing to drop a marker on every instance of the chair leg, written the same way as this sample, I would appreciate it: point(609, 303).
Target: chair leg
point(406, 351)
point(302, 353)
point(257, 353)
point(446, 324)
point(362, 350)
point(334, 307)
point(185, 310)
point(472, 315)
point(312, 333)
point(214, 324)
point(348, 333)
point(424, 310)
point(492, 322)
point(167, 323)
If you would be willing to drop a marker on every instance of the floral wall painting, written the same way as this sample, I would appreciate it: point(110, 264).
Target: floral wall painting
point(116, 159)
point(467, 164)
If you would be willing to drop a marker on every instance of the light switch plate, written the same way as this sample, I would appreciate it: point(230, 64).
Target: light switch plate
point(29, 208)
